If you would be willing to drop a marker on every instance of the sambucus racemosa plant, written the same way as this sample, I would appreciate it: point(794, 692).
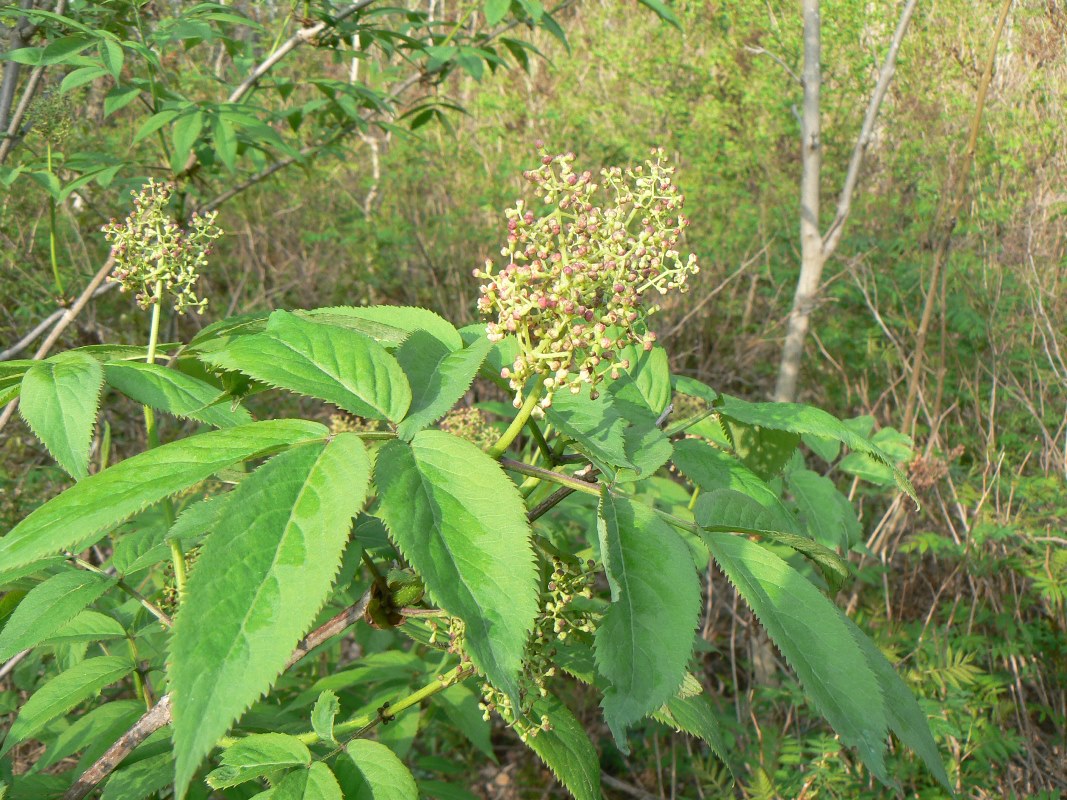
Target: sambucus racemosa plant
point(449, 534)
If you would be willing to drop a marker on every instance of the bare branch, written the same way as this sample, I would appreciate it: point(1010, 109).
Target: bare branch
point(159, 716)
point(844, 202)
point(8, 140)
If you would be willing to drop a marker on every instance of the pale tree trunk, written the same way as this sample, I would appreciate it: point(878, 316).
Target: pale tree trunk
point(816, 247)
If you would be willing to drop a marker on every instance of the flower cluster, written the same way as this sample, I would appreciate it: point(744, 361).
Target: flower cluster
point(470, 424)
point(51, 116)
point(577, 283)
point(153, 254)
point(558, 618)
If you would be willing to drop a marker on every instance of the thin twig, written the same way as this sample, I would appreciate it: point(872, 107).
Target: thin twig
point(159, 716)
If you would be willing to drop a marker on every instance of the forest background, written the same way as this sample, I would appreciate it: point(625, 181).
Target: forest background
point(403, 196)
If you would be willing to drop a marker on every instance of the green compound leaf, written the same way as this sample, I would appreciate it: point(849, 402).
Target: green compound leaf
point(323, 715)
point(438, 378)
point(596, 426)
point(802, 419)
point(406, 319)
point(462, 525)
point(384, 775)
point(906, 718)
point(62, 693)
point(88, 626)
point(175, 393)
point(825, 512)
point(257, 756)
point(341, 366)
point(260, 579)
point(727, 511)
point(92, 506)
point(566, 750)
point(139, 780)
point(651, 375)
point(711, 469)
point(60, 397)
point(495, 10)
point(811, 633)
point(646, 636)
point(48, 607)
point(695, 716)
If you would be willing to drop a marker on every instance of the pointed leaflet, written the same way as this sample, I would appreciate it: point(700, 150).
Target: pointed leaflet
point(906, 718)
point(462, 525)
point(384, 775)
point(646, 636)
point(258, 583)
point(596, 426)
point(315, 783)
point(175, 393)
point(803, 419)
point(462, 707)
point(48, 607)
point(323, 714)
point(827, 514)
point(566, 750)
point(103, 724)
point(62, 693)
point(404, 318)
point(88, 626)
point(101, 501)
point(808, 629)
point(257, 756)
point(437, 376)
point(341, 366)
point(60, 397)
point(727, 511)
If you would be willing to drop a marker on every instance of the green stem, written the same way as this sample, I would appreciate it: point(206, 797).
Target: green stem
point(365, 722)
point(177, 557)
point(517, 424)
point(52, 230)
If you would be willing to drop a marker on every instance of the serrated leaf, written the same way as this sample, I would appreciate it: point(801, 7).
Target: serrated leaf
point(695, 716)
point(88, 626)
point(460, 705)
point(321, 784)
point(343, 367)
point(112, 57)
point(140, 779)
point(384, 775)
point(183, 135)
point(48, 607)
point(62, 693)
point(119, 97)
point(825, 512)
point(711, 469)
point(405, 318)
point(906, 718)
point(60, 397)
point(80, 77)
point(566, 750)
point(802, 419)
point(323, 714)
point(104, 724)
point(438, 378)
point(462, 525)
point(495, 10)
point(809, 631)
point(596, 426)
point(93, 506)
point(650, 373)
point(175, 393)
point(765, 451)
point(646, 635)
point(257, 756)
point(896, 445)
point(725, 510)
point(225, 138)
point(259, 582)
point(199, 519)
